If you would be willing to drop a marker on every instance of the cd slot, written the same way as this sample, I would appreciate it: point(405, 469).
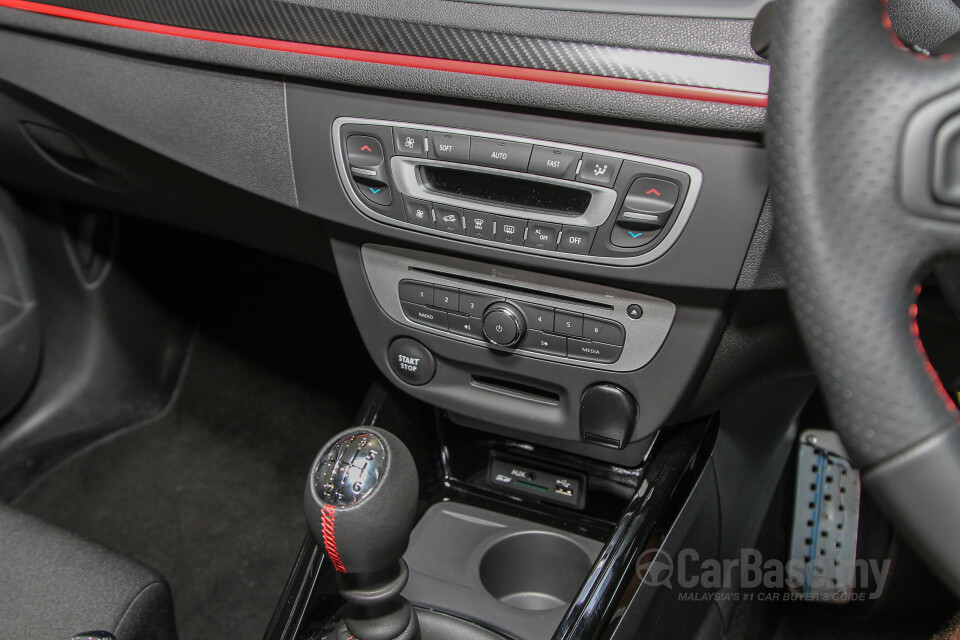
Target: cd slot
point(503, 190)
point(546, 295)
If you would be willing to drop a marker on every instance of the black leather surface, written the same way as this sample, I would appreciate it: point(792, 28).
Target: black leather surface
point(919, 484)
point(924, 23)
point(726, 38)
point(842, 93)
point(54, 585)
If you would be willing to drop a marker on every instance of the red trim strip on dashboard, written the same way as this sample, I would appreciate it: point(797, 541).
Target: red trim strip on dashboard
point(402, 60)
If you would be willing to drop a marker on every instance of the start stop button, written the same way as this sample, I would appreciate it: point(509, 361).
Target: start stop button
point(411, 361)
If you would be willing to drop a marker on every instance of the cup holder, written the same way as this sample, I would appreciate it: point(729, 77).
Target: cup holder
point(534, 571)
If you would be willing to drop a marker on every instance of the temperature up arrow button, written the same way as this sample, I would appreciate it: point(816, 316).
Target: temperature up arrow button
point(364, 151)
point(652, 196)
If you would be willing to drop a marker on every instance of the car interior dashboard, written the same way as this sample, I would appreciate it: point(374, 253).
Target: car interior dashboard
point(533, 242)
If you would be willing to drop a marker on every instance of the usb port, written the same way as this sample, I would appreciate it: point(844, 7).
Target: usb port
point(564, 487)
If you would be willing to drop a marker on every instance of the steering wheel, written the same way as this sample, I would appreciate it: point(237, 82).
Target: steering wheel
point(865, 143)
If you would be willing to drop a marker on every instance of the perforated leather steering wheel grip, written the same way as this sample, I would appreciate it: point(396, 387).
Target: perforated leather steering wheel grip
point(842, 95)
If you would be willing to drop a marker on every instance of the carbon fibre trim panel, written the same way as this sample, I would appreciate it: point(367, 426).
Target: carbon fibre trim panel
point(290, 21)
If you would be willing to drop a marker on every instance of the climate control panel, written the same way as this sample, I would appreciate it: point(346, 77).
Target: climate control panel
point(522, 194)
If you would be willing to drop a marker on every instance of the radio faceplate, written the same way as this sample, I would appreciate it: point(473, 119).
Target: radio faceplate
point(523, 194)
point(567, 321)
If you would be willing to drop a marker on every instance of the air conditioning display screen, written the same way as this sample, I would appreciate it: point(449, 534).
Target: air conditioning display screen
point(505, 190)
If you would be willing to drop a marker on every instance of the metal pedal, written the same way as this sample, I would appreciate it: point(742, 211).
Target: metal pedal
point(826, 519)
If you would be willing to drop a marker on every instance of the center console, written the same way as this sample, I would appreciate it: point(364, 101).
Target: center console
point(559, 281)
point(479, 564)
point(543, 296)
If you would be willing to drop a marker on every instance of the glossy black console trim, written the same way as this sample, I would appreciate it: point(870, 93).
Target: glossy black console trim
point(289, 613)
point(675, 458)
point(659, 486)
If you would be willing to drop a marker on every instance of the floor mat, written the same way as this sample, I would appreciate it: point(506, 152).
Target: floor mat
point(210, 494)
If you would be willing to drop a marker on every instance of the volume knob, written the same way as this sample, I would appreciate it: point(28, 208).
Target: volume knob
point(503, 324)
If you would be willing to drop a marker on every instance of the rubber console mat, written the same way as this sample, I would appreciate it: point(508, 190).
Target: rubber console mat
point(210, 493)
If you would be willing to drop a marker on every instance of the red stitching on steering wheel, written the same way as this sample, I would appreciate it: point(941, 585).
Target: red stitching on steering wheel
point(888, 25)
point(927, 365)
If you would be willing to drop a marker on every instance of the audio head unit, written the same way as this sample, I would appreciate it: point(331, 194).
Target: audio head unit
point(528, 195)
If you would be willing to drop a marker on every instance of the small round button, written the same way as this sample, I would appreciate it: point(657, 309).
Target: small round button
point(635, 311)
point(411, 361)
point(503, 324)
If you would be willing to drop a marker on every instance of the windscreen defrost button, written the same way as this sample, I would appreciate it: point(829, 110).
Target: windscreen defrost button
point(599, 170)
point(479, 225)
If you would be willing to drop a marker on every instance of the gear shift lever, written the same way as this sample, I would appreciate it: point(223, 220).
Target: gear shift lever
point(360, 503)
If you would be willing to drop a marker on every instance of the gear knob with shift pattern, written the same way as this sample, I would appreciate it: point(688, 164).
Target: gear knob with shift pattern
point(360, 503)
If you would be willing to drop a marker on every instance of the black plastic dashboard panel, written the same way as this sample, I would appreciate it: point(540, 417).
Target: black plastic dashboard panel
point(745, 9)
point(227, 126)
point(254, 132)
point(461, 365)
point(296, 22)
point(704, 38)
point(708, 254)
